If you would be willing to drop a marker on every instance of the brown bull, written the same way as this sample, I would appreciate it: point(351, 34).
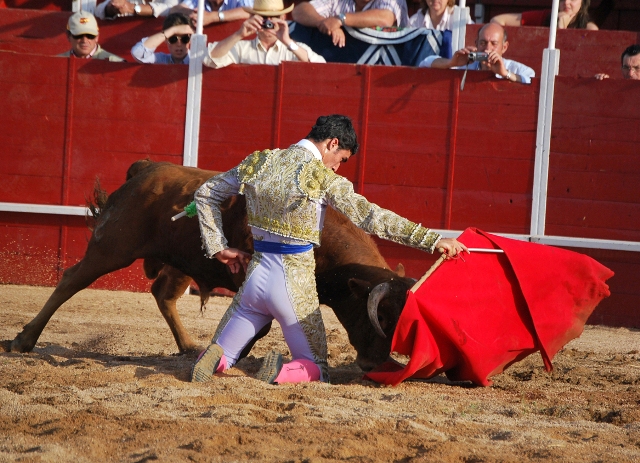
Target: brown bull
point(135, 223)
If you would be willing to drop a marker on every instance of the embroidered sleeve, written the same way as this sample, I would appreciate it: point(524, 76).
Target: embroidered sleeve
point(208, 198)
point(375, 220)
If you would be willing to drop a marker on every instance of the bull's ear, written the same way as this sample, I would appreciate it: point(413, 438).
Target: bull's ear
point(400, 270)
point(360, 288)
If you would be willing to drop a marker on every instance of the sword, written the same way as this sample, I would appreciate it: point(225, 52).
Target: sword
point(485, 250)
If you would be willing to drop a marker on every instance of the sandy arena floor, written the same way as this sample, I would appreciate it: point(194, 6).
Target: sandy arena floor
point(104, 383)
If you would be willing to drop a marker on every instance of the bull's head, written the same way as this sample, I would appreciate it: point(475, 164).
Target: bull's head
point(384, 304)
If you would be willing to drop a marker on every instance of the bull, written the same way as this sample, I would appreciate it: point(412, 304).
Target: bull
point(134, 223)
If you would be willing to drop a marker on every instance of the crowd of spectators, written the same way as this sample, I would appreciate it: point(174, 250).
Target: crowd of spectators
point(266, 19)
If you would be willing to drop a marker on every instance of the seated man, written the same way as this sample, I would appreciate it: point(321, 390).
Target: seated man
point(630, 64)
point(492, 39)
point(271, 46)
point(82, 33)
point(176, 31)
point(216, 11)
point(330, 15)
point(112, 9)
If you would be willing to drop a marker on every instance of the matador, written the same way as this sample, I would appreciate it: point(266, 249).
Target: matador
point(286, 194)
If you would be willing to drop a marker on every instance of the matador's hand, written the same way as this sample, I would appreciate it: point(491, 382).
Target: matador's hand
point(451, 247)
point(234, 258)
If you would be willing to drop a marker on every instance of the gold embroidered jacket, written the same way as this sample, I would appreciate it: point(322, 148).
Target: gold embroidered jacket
point(286, 192)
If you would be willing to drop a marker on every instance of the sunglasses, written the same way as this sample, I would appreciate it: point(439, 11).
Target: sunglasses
point(79, 36)
point(174, 38)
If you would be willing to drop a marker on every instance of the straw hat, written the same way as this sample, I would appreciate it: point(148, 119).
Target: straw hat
point(82, 23)
point(268, 8)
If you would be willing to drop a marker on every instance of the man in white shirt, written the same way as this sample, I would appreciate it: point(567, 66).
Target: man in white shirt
point(330, 15)
point(176, 32)
point(272, 44)
point(492, 40)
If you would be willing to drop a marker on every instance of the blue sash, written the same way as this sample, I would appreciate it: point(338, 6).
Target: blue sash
point(280, 248)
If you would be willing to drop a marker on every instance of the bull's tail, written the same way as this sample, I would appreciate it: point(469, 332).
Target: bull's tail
point(95, 204)
point(99, 201)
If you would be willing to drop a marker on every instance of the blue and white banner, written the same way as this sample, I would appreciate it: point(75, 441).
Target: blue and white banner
point(404, 47)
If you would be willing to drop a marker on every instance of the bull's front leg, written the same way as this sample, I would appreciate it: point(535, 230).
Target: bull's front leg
point(168, 287)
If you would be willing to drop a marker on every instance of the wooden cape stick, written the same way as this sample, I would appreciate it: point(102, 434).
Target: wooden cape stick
point(441, 259)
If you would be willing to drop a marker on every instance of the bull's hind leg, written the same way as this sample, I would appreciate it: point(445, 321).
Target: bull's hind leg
point(170, 284)
point(74, 279)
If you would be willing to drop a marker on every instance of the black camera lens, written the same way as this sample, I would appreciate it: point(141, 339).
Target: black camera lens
point(267, 24)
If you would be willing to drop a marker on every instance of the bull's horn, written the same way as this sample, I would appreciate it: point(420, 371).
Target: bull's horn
point(375, 296)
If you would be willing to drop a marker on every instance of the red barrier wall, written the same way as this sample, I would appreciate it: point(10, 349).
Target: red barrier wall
point(446, 158)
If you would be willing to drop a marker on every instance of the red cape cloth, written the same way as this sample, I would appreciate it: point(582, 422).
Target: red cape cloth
point(476, 315)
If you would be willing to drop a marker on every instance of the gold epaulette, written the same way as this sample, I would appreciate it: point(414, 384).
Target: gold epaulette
point(313, 178)
point(253, 165)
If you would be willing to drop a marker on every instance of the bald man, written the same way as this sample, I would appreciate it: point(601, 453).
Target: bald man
point(492, 40)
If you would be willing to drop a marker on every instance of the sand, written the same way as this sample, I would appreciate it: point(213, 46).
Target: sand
point(105, 383)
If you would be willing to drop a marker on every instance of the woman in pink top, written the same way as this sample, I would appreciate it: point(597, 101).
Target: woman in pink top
point(572, 14)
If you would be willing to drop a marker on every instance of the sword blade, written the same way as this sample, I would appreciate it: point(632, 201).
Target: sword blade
point(486, 250)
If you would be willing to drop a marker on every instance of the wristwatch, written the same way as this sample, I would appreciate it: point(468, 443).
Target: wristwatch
point(343, 18)
point(137, 9)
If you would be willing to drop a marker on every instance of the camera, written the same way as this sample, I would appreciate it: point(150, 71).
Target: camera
point(478, 56)
point(267, 24)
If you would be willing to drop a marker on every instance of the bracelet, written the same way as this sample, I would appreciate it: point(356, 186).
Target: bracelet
point(293, 46)
point(221, 16)
point(343, 19)
point(508, 77)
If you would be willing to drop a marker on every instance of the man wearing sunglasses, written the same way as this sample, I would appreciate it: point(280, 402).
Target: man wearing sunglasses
point(82, 32)
point(176, 33)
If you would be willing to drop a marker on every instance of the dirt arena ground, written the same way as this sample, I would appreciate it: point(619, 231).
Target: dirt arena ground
point(104, 383)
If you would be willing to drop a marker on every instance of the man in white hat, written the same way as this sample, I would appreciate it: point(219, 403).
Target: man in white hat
point(329, 16)
point(82, 32)
point(272, 44)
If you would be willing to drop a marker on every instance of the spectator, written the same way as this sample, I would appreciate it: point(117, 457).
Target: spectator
point(215, 11)
point(630, 64)
point(112, 9)
point(82, 33)
point(492, 39)
point(272, 44)
point(176, 31)
point(330, 15)
point(572, 14)
point(435, 14)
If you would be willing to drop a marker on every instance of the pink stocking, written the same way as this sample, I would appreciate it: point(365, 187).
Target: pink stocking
point(298, 371)
point(222, 365)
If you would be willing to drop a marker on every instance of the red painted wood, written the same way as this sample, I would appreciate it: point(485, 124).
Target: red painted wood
point(124, 112)
point(52, 5)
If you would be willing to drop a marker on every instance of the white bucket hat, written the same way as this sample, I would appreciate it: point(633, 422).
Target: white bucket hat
point(268, 8)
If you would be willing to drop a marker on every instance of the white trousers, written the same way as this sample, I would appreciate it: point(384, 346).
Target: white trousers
point(280, 286)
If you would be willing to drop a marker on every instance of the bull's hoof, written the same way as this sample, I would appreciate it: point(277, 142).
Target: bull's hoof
point(5, 346)
point(17, 345)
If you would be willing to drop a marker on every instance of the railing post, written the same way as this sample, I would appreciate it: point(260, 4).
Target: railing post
point(550, 66)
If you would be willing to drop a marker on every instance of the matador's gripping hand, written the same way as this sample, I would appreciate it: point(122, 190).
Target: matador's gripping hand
point(234, 258)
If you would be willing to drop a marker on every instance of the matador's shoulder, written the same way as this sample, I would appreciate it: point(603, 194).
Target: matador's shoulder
point(314, 178)
point(253, 165)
